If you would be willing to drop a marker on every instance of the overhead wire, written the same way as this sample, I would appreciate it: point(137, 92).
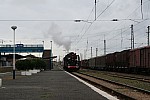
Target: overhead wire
point(95, 20)
point(85, 23)
point(131, 14)
point(117, 35)
point(29, 20)
point(105, 9)
point(72, 20)
point(132, 20)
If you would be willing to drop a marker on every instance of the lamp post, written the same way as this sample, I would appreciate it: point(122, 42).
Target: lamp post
point(51, 59)
point(43, 43)
point(14, 27)
point(51, 45)
point(2, 41)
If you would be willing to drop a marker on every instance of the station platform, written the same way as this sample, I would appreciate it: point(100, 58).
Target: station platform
point(46, 85)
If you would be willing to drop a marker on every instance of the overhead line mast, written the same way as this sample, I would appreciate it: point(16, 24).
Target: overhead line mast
point(141, 9)
point(95, 9)
point(104, 46)
point(148, 35)
point(132, 37)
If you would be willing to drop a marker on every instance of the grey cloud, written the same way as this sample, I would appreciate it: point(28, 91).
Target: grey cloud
point(28, 2)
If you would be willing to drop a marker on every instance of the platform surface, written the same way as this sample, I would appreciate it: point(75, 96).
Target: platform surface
point(46, 85)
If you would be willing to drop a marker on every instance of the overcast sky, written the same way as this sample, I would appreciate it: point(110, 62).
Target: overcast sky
point(69, 35)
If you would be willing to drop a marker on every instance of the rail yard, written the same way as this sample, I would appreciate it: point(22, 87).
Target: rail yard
point(122, 85)
point(75, 50)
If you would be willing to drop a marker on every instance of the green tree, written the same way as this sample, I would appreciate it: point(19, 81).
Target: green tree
point(30, 64)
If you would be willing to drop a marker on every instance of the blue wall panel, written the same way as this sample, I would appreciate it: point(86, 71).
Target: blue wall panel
point(21, 48)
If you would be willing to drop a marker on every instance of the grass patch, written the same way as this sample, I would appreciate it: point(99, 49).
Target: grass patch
point(135, 83)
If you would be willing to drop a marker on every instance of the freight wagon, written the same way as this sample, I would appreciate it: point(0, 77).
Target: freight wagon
point(85, 63)
point(140, 59)
point(135, 60)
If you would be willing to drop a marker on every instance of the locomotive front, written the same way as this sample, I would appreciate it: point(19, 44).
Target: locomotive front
point(71, 62)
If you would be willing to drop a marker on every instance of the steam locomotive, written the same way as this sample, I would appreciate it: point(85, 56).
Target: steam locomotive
point(71, 62)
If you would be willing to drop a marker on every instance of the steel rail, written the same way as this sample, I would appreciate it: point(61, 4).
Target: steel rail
point(128, 77)
point(106, 89)
point(117, 83)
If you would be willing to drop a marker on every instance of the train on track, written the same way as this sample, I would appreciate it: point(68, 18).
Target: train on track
point(71, 62)
point(135, 60)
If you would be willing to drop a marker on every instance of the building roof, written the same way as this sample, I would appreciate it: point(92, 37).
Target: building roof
point(10, 56)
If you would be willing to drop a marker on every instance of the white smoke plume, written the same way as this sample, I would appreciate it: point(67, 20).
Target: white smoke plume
point(56, 33)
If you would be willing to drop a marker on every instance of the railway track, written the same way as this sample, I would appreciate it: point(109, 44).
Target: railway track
point(129, 77)
point(124, 76)
point(123, 91)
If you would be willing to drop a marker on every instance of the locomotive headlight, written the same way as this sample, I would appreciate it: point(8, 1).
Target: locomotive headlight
point(77, 66)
